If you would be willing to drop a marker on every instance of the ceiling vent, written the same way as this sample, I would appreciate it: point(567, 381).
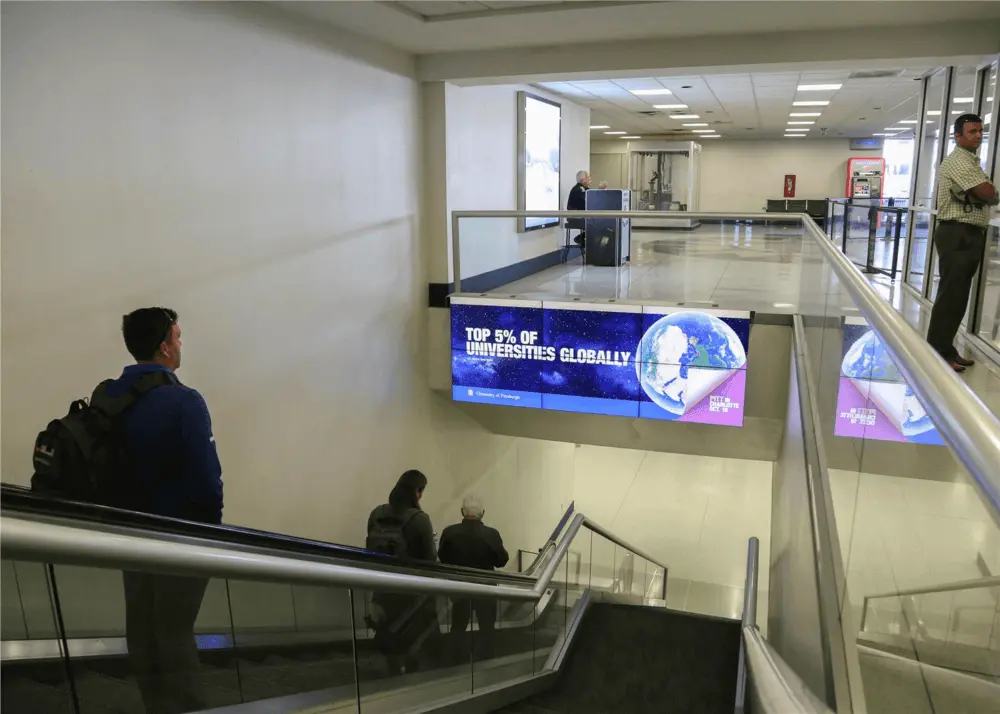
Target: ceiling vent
point(876, 74)
point(651, 113)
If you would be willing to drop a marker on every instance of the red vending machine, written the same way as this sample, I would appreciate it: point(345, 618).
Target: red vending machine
point(864, 177)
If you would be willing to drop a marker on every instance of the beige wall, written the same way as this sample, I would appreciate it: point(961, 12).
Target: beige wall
point(261, 179)
point(482, 172)
point(739, 176)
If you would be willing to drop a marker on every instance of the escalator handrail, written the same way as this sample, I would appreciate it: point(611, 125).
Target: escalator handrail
point(52, 542)
point(17, 499)
point(968, 425)
point(550, 544)
point(777, 687)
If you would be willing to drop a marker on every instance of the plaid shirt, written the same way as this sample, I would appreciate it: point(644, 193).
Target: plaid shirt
point(960, 171)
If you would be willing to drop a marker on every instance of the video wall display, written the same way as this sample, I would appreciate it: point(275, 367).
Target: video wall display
point(619, 360)
point(539, 147)
point(873, 399)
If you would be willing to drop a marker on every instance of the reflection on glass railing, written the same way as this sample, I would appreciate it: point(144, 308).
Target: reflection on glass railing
point(873, 399)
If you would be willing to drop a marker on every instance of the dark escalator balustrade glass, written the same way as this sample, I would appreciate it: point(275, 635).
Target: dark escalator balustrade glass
point(34, 676)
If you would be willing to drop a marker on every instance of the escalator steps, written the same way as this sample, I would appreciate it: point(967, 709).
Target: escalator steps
point(636, 660)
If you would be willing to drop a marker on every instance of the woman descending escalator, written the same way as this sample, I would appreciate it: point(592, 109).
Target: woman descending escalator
point(407, 630)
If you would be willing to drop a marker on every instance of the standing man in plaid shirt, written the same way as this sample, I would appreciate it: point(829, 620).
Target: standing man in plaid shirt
point(964, 198)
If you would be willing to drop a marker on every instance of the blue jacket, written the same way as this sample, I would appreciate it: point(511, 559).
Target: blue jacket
point(168, 437)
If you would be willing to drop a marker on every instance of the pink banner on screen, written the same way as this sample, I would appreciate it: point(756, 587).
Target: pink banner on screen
point(723, 405)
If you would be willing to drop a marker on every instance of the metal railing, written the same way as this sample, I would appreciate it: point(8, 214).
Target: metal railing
point(976, 584)
point(51, 542)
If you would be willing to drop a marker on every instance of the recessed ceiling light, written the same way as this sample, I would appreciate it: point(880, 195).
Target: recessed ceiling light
point(908, 121)
point(819, 87)
point(812, 103)
point(896, 128)
point(934, 113)
point(696, 124)
point(600, 126)
point(801, 122)
point(703, 131)
point(650, 92)
point(962, 100)
point(882, 134)
point(630, 137)
point(805, 114)
point(710, 136)
point(795, 136)
point(956, 111)
point(670, 106)
point(616, 132)
point(685, 116)
point(791, 129)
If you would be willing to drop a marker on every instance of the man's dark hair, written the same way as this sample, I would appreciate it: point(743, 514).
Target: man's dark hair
point(146, 329)
point(966, 119)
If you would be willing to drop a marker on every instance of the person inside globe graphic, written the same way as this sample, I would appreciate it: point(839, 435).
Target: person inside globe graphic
point(683, 356)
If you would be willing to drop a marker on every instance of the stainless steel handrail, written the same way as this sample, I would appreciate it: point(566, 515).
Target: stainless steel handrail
point(967, 424)
point(976, 584)
point(49, 542)
point(776, 687)
point(749, 619)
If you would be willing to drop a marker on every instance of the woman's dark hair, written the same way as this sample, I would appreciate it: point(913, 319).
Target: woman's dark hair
point(404, 493)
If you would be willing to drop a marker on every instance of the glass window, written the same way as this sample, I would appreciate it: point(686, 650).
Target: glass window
point(934, 121)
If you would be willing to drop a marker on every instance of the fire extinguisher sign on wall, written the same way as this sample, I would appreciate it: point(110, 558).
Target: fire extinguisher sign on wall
point(789, 185)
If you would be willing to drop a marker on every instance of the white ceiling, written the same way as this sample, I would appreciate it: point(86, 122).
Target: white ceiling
point(429, 27)
point(756, 105)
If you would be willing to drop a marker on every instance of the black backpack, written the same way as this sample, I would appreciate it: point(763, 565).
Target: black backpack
point(82, 456)
point(387, 534)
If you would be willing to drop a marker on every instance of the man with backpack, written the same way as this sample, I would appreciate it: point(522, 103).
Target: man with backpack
point(144, 443)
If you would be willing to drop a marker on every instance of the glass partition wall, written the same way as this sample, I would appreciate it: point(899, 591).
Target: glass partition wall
point(948, 92)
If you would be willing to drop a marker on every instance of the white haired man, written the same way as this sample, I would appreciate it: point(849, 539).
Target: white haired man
point(473, 544)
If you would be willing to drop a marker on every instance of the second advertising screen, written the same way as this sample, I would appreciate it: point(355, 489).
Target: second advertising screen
point(619, 360)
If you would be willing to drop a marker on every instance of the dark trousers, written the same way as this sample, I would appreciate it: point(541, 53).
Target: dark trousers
point(160, 612)
point(960, 249)
point(486, 616)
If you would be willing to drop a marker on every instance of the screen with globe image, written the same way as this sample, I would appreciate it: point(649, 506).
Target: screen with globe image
point(873, 399)
point(614, 359)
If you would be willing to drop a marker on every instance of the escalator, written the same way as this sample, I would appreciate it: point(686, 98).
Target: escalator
point(284, 626)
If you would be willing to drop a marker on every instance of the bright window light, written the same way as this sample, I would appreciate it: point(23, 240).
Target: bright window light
point(819, 87)
point(631, 137)
point(703, 131)
point(670, 106)
point(812, 103)
point(704, 123)
point(801, 122)
point(962, 100)
point(896, 128)
point(600, 126)
point(957, 111)
point(908, 121)
point(934, 113)
point(685, 116)
point(805, 114)
point(650, 92)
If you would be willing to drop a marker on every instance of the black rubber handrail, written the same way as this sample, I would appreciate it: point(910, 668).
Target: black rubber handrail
point(18, 499)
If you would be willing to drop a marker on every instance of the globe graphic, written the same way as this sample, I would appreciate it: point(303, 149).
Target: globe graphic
point(676, 343)
point(868, 360)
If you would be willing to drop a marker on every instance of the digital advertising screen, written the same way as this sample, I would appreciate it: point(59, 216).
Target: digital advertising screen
point(873, 399)
point(539, 146)
point(613, 359)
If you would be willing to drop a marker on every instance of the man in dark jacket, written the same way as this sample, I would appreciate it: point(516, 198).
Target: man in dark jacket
point(577, 201)
point(473, 544)
point(175, 471)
